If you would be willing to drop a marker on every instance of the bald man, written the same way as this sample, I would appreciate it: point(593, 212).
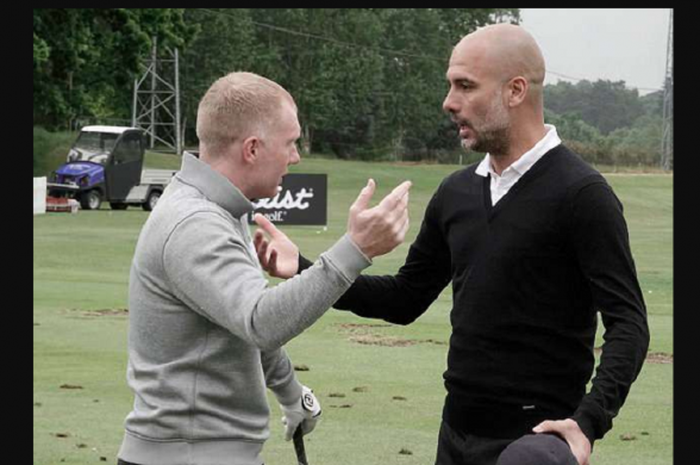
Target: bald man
point(534, 243)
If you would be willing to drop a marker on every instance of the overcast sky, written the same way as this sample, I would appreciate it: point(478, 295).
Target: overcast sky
point(612, 44)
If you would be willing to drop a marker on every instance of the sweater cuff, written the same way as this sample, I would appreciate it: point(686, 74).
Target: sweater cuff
point(288, 394)
point(304, 264)
point(347, 257)
point(587, 422)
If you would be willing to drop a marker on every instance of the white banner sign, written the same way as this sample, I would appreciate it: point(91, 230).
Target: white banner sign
point(39, 196)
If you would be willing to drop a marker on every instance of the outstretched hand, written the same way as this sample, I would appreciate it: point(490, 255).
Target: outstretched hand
point(278, 255)
point(376, 231)
point(380, 229)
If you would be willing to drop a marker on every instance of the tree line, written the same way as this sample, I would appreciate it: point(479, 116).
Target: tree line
point(369, 82)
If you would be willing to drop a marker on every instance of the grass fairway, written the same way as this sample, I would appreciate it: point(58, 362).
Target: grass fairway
point(380, 385)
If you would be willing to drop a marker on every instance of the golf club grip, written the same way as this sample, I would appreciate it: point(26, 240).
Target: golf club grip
point(299, 446)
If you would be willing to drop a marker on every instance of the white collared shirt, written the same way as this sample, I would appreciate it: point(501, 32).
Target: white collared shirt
point(500, 185)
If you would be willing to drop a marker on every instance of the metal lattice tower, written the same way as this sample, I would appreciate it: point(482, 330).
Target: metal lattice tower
point(156, 105)
point(667, 130)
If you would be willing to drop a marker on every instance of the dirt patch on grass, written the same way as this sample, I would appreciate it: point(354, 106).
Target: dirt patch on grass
point(107, 312)
point(362, 326)
point(391, 341)
point(80, 313)
point(363, 333)
point(661, 358)
point(385, 341)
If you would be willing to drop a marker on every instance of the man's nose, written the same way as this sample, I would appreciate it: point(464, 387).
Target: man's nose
point(295, 158)
point(449, 105)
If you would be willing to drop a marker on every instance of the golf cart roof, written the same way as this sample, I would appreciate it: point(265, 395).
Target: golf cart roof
point(108, 129)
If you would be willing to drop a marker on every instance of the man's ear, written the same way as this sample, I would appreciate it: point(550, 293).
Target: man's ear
point(517, 91)
point(250, 149)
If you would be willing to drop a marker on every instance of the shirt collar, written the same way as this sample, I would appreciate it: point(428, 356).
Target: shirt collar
point(213, 185)
point(528, 159)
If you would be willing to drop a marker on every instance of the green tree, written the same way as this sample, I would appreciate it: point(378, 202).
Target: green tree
point(603, 104)
point(224, 41)
point(639, 144)
point(329, 62)
point(85, 60)
point(414, 78)
point(369, 83)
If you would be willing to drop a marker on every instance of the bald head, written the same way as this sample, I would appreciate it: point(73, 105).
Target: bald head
point(502, 52)
point(496, 77)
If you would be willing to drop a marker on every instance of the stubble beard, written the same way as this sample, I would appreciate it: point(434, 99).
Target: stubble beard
point(493, 134)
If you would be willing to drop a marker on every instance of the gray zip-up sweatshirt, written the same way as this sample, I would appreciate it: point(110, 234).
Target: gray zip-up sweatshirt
point(205, 330)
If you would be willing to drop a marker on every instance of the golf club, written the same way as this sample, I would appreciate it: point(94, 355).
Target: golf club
point(299, 446)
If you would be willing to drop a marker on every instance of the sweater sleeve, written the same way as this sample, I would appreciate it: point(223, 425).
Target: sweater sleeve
point(280, 377)
point(221, 279)
point(405, 296)
point(601, 242)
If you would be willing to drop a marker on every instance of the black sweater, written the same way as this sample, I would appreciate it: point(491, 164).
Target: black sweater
point(528, 278)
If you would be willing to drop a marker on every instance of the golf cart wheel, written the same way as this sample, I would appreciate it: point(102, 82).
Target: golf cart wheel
point(91, 200)
point(151, 201)
point(118, 205)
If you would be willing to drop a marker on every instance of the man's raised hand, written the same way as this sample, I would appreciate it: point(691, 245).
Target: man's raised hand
point(379, 230)
point(278, 255)
point(376, 231)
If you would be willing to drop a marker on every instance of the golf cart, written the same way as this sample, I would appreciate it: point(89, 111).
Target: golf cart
point(105, 164)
